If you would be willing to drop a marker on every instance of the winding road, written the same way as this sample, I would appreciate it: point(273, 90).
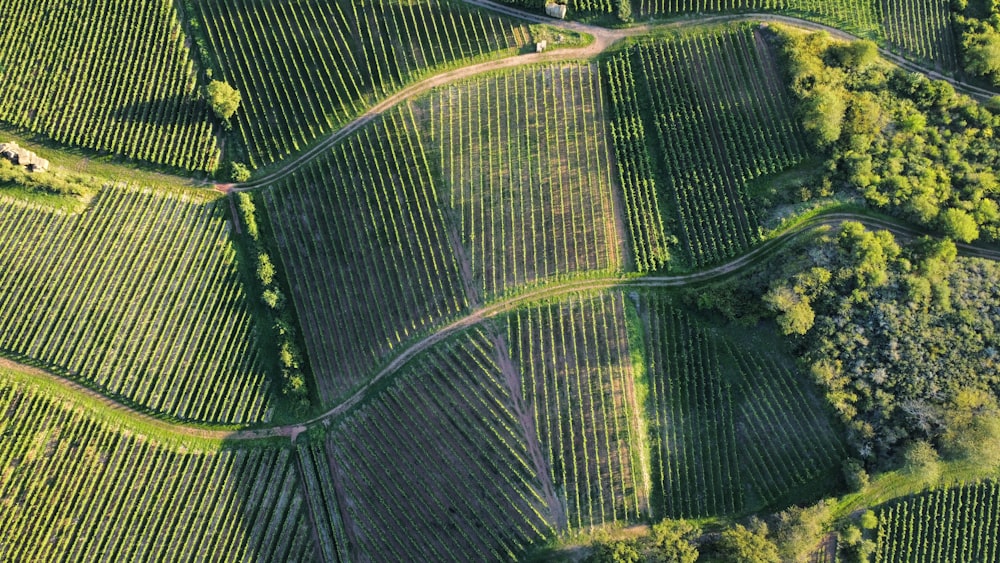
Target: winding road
point(603, 39)
point(492, 310)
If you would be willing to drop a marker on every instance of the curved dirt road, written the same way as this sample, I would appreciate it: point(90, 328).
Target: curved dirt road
point(495, 309)
point(603, 39)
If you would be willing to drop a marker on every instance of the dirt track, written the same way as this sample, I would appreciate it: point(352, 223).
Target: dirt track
point(492, 310)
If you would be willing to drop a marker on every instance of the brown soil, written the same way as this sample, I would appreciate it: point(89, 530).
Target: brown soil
point(512, 378)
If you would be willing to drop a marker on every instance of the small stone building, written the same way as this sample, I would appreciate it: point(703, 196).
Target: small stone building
point(540, 46)
point(554, 10)
point(23, 157)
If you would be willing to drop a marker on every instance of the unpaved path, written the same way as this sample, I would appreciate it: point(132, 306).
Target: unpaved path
point(495, 309)
point(557, 513)
point(603, 39)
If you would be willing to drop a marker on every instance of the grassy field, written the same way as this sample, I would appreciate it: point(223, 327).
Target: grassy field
point(77, 489)
point(719, 118)
point(363, 238)
point(523, 159)
point(137, 297)
point(307, 67)
point(73, 71)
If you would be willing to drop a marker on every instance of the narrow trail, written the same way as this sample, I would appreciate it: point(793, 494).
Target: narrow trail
point(604, 38)
point(492, 310)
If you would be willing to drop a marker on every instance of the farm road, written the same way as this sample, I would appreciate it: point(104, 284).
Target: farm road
point(603, 39)
point(492, 310)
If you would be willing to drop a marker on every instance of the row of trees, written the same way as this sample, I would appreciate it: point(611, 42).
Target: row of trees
point(293, 383)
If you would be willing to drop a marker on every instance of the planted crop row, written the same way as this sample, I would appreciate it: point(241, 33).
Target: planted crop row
point(721, 119)
point(435, 468)
point(137, 296)
point(322, 494)
point(635, 170)
point(578, 385)
point(923, 29)
point(525, 167)
point(695, 458)
point(72, 489)
point(708, 395)
point(307, 67)
point(364, 241)
point(787, 436)
point(860, 16)
point(952, 524)
point(72, 71)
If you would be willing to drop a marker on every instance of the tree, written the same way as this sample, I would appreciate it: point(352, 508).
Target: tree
point(982, 53)
point(795, 315)
point(740, 545)
point(223, 98)
point(625, 10)
point(615, 552)
point(265, 269)
point(240, 173)
point(921, 462)
point(855, 475)
point(869, 521)
point(959, 225)
point(823, 114)
point(673, 541)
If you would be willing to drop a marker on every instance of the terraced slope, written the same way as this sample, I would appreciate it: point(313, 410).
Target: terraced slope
point(75, 489)
point(106, 75)
point(138, 297)
point(307, 67)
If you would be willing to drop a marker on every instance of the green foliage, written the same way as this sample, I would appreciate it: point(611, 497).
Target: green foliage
point(239, 172)
point(54, 181)
point(249, 212)
point(855, 475)
point(673, 541)
point(795, 316)
point(800, 530)
point(625, 11)
point(741, 545)
point(982, 53)
point(921, 462)
point(615, 552)
point(869, 520)
point(223, 99)
point(959, 225)
point(265, 269)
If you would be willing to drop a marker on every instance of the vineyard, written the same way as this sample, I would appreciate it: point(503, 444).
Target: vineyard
point(525, 173)
point(951, 524)
point(307, 67)
point(363, 238)
point(922, 29)
point(732, 429)
point(578, 384)
point(436, 467)
point(721, 118)
point(74, 489)
point(137, 297)
point(73, 72)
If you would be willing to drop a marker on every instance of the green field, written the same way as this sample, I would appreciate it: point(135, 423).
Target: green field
point(523, 160)
point(737, 422)
point(720, 118)
point(71, 72)
point(951, 524)
point(306, 67)
point(137, 297)
point(436, 291)
point(72, 488)
point(363, 238)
